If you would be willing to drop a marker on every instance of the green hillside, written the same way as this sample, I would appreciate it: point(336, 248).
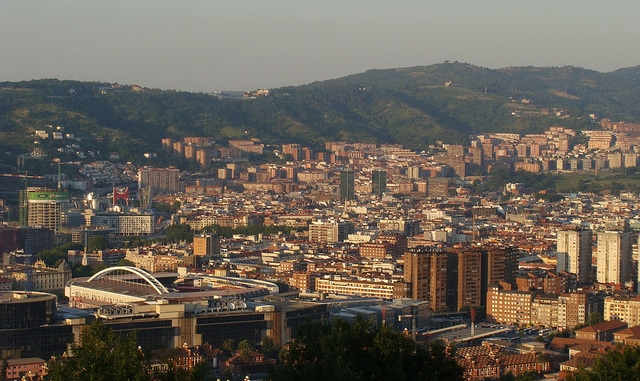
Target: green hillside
point(411, 106)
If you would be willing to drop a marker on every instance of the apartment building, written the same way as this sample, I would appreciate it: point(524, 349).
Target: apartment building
point(464, 279)
point(626, 309)
point(304, 280)
point(574, 308)
point(342, 286)
point(161, 180)
point(574, 253)
point(498, 264)
point(614, 256)
point(125, 223)
point(509, 306)
point(425, 272)
point(330, 231)
point(544, 310)
point(206, 244)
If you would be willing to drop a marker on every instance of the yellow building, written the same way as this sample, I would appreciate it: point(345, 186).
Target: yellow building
point(623, 309)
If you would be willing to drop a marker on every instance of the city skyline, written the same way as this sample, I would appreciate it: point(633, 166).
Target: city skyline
point(208, 46)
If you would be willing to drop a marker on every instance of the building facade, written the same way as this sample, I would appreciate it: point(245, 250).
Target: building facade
point(614, 256)
point(626, 309)
point(378, 182)
point(362, 288)
point(347, 185)
point(126, 223)
point(28, 327)
point(464, 278)
point(425, 273)
point(509, 306)
point(330, 231)
point(160, 180)
point(206, 244)
point(45, 208)
point(574, 253)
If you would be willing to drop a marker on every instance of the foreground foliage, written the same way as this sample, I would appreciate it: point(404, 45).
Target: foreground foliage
point(622, 363)
point(102, 355)
point(344, 351)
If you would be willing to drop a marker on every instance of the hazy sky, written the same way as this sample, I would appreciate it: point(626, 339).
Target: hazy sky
point(209, 45)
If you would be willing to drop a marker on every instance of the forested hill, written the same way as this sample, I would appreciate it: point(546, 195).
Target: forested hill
point(411, 106)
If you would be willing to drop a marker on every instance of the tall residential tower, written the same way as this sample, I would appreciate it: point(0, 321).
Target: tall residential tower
point(574, 253)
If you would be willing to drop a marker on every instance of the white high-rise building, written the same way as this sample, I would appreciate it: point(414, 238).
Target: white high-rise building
point(46, 208)
point(574, 253)
point(614, 256)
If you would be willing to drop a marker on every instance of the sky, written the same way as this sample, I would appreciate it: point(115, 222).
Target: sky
point(209, 45)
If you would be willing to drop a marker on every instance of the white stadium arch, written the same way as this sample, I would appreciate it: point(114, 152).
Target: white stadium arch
point(153, 282)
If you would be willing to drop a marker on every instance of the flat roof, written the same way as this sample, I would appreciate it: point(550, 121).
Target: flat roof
point(24, 297)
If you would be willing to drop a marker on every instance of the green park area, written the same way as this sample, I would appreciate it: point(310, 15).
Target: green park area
point(605, 182)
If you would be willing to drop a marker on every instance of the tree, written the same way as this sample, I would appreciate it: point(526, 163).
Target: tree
point(268, 347)
point(3, 369)
point(97, 242)
point(622, 363)
point(244, 345)
point(357, 351)
point(50, 257)
point(593, 318)
point(126, 262)
point(178, 232)
point(100, 355)
point(228, 345)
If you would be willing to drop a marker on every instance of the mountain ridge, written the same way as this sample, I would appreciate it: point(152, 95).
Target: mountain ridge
point(413, 106)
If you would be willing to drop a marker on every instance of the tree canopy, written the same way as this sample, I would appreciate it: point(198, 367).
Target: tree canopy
point(622, 363)
point(100, 355)
point(358, 351)
point(178, 232)
point(103, 355)
point(97, 242)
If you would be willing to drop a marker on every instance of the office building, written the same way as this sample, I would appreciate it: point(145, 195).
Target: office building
point(83, 234)
point(574, 253)
point(347, 185)
point(28, 326)
point(378, 183)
